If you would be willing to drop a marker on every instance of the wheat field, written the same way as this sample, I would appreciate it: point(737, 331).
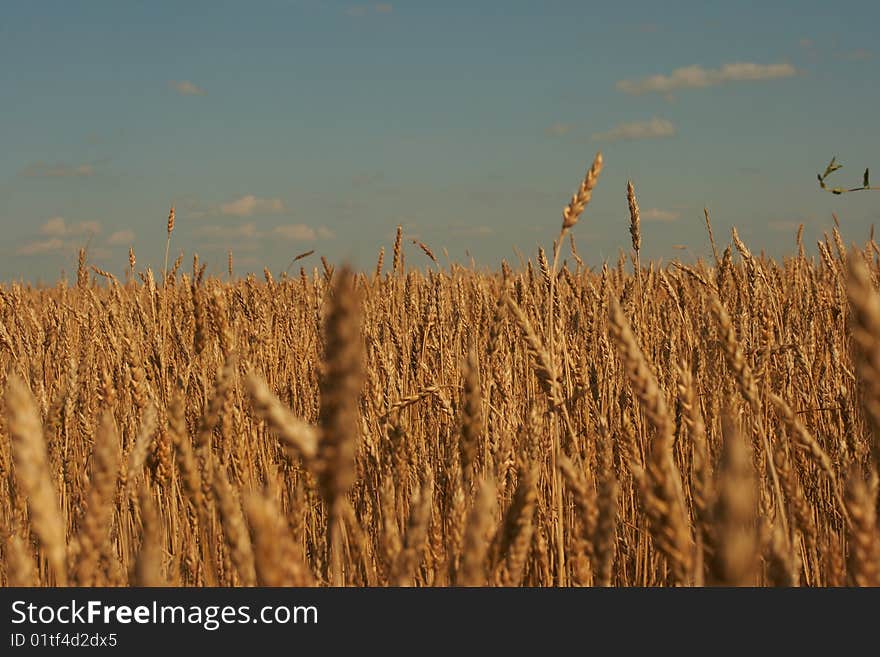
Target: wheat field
point(708, 423)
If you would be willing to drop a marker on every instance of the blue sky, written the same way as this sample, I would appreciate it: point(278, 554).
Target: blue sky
point(278, 127)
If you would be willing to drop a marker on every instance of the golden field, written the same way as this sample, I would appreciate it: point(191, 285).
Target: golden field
point(551, 425)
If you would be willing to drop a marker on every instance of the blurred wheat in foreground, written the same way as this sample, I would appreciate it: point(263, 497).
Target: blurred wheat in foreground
point(696, 424)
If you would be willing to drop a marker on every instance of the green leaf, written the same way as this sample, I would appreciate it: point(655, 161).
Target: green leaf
point(865, 181)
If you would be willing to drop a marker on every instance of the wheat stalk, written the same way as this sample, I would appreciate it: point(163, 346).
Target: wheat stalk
point(33, 475)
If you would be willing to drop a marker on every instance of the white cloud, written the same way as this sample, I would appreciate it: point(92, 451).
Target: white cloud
point(249, 205)
point(54, 226)
point(58, 227)
point(655, 128)
point(302, 233)
point(655, 214)
point(45, 170)
point(121, 238)
point(223, 245)
point(187, 88)
point(86, 227)
point(40, 247)
point(298, 232)
point(246, 231)
point(558, 129)
point(806, 43)
point(697, 77)
point(58, 235)
point(383, 8)
point(858, 55)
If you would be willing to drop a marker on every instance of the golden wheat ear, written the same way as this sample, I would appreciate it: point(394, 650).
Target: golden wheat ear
point(33, 475)
point(339, 417)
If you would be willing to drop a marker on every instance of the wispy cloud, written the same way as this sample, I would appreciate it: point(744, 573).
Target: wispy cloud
point(558, 129)
point(806, 44)
point(297, 232)
point(655, 214)
point(302, 233)
point(858, 55)
point(697, 77)
point(187, 88)
point(59, 227)
point(46, 170)
point(249, 205)
point(40, 247)
point(121, 238)
point(357, 11)
point(56, 226)
point(655, 128)
point(246, 231)
point(251, 232)
point(57, 234)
